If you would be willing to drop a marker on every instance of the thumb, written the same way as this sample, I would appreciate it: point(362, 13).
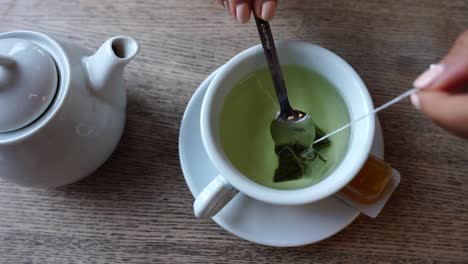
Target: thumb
point(449, 111)
point(452, 72)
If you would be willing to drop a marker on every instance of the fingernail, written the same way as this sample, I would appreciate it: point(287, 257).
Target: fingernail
point(268, 10)
point(429, 76)
point(415, 101)
point(243, 12)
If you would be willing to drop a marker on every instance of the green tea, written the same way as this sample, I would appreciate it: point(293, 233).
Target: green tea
point(249, 109)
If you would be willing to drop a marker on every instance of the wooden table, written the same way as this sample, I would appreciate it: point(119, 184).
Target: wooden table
point(137, 207)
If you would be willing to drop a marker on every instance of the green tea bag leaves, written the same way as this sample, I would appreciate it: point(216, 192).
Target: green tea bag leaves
point(291, 166)
point(310, 154)
point(294, 156)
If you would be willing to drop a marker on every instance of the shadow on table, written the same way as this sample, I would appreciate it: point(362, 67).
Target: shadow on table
point(145, 164)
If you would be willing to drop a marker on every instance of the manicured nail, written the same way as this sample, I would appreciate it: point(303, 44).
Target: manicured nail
point(243, 12)
point(268, 10)
point(429, 76)
point(415, 101)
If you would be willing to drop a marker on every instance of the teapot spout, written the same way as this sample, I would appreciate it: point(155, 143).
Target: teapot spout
point(105, 67)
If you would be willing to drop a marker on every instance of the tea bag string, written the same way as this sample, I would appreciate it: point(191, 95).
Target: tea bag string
point(389, 103)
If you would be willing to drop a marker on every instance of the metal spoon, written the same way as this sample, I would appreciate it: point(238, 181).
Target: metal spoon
point(290, 126)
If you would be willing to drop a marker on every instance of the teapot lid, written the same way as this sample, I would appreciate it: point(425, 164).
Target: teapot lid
point(28, 83)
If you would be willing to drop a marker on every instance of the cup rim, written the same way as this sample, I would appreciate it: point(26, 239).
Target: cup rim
point(266, 194)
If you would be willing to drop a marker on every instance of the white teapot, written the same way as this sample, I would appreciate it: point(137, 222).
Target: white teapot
point(62, 108)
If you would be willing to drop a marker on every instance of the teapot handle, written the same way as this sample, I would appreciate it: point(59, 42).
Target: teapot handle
point(6, 60)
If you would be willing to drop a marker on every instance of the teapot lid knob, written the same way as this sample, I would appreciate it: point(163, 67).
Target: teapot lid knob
point(28, 83)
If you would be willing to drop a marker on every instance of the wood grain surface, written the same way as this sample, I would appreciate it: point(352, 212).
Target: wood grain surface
point(137, 207)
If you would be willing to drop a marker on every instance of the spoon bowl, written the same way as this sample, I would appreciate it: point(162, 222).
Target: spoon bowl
point(299, 130)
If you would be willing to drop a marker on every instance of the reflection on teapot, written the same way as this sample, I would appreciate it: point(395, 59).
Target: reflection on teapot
point(62, 107)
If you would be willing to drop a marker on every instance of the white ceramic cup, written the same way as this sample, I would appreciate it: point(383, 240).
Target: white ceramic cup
point(230, 180)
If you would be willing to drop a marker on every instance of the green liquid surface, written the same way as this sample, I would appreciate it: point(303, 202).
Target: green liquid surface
point(249, 109)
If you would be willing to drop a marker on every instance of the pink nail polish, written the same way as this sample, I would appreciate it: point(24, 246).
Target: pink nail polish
point(243, 12)
point(268, 10)
point(425, 79)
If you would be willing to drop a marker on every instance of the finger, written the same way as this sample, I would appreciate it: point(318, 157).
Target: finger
point(221, 2)
point(452, 72)
point(447, 110)
point(228, 4)
point(241, 10)
point(265, 9)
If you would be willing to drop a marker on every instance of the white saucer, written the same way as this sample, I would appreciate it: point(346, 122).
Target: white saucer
point(258, 222)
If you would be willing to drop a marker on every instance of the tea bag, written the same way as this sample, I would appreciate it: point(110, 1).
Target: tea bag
point(294, 154)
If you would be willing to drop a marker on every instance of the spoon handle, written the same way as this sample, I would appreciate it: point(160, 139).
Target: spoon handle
point(273, 63)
